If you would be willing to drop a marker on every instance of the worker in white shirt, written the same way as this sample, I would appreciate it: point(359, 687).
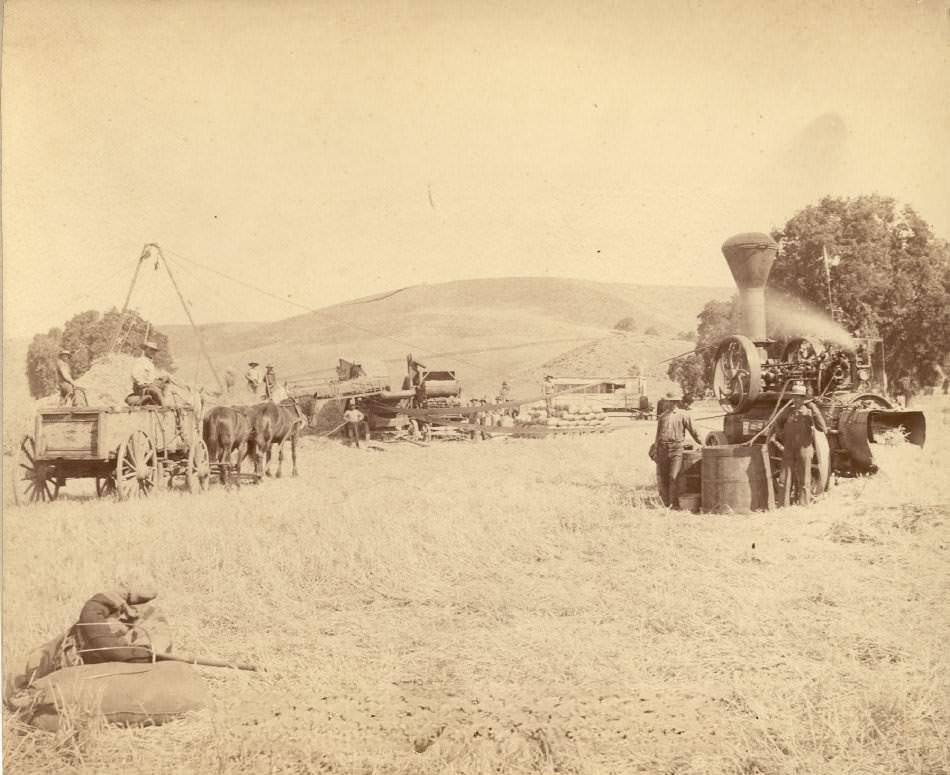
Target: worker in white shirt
point(143, 377)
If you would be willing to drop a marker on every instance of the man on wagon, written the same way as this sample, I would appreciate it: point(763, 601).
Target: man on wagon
point(671, 430)
point(253, 377)
point(143, 377)
point(67, 385)
point(270, 382)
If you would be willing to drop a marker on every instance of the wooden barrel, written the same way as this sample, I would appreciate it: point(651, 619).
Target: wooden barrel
point(691, 474)
point(737, 478)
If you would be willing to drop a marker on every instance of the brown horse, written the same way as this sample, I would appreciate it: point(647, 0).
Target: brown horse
point(274, 424)
point(226, 431)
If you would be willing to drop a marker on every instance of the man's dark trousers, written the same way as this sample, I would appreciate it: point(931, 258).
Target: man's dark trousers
point(669, 463)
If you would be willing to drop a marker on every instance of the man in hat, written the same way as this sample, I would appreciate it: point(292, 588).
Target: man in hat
point(353, 418)
point(270, 382)
point(143, 376)
point(799, 421)
point(67, 385)
point(253, 377)
point(671, 429)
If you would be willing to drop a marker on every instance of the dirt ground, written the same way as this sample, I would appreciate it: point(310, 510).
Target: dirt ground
point(514, 606)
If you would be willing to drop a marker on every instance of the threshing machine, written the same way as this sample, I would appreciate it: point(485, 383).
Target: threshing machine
point(434, 389)
point(753, 373)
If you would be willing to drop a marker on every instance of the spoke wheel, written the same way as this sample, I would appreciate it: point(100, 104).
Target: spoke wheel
point(105, 486)
point(33, 481)
point(820, 465)
point(199, 467)
point(137, 468)
point(737, 374)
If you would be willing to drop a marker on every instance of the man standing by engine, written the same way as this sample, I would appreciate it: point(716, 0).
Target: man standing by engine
point(671, 430)
point(801, 420)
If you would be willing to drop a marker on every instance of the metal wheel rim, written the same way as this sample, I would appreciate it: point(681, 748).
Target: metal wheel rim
point(870, 401)
point(105, 486)
point(737, 378)
point(33, 483)
point(137, 453)
point(819, 483)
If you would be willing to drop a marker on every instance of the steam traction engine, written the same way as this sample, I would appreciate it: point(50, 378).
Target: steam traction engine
point(752, 375)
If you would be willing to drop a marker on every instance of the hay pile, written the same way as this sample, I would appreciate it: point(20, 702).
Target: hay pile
point(109, 380)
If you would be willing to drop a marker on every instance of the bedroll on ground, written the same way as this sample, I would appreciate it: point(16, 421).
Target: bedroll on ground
point(123, 693)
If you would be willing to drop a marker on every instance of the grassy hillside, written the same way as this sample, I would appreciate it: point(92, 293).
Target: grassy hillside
point(487, 329)
point(515, 606)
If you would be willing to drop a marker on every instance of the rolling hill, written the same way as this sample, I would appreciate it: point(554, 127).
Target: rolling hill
point(489, 330)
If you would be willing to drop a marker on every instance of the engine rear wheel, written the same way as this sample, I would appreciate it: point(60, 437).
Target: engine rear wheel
point(871, 401)
point(820, 465)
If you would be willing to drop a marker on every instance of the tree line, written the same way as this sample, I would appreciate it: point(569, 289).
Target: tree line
point(88, 336)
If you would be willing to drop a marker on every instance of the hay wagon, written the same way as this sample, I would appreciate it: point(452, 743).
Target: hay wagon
point(128, 451)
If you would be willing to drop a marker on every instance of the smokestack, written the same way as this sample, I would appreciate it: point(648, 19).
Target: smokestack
point(750, 257)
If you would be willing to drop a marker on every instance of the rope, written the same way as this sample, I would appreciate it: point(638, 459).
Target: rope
point(412, 347)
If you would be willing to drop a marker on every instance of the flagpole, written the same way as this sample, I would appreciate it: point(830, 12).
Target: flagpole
point(831, 301)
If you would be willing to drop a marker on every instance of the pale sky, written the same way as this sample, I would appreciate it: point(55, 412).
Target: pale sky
point(326, 151)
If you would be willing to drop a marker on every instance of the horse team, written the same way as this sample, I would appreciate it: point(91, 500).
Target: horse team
point(233, 433)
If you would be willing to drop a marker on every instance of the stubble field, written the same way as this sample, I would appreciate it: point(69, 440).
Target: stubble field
point(514, 606)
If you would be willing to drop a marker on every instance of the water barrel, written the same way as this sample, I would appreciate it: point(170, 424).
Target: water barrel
point(691, 474)
point(737, 478)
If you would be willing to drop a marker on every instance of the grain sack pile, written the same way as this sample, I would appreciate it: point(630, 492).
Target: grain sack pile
point(566, 419)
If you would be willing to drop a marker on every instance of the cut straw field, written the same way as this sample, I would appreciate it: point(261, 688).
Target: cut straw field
point(514, 606)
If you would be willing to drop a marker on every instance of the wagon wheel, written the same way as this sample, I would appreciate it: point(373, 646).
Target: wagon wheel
point(737, 374)
point(137, 467)
point(198, 472)
point(33, 481)
point(105, 486)
point(820, 465)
